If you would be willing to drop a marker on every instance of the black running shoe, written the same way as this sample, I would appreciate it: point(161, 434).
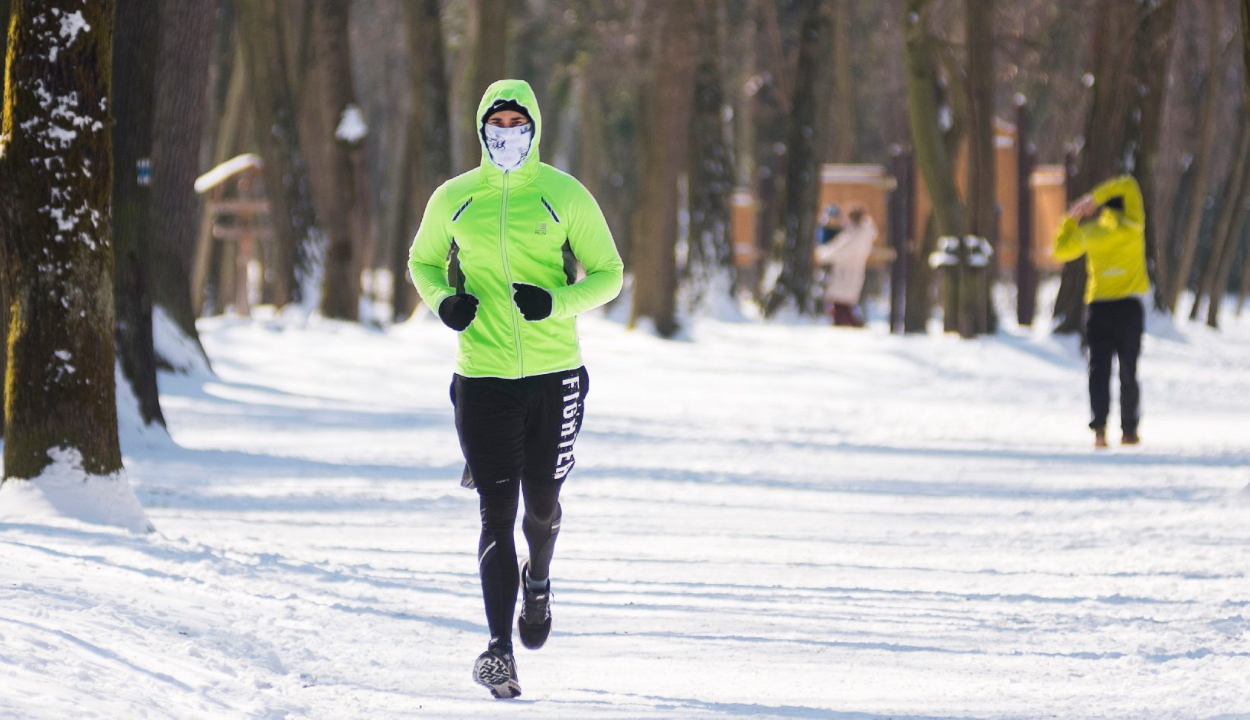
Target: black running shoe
point(534, 622)
point(496, 669)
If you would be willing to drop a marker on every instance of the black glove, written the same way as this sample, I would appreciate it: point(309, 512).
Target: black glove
point(533, 301)
point(457, 311)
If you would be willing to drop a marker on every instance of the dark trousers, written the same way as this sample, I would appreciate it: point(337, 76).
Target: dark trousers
point(845, 315)
point(517, 437)
point(1114, 329)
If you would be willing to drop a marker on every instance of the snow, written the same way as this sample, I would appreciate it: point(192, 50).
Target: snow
point(226, 170)
point(780, 520)
point(64, 490)
point(72, 24)
point(352, 128)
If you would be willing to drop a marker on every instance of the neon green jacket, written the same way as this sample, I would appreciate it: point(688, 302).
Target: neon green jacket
point(1114, 243)
point(513, 227)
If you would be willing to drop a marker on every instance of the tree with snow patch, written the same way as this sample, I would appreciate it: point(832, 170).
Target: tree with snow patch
point(56, 173)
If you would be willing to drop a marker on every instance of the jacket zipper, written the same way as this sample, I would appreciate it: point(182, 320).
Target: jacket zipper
point(507, 272)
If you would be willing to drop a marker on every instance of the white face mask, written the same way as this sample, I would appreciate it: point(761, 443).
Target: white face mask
point(508, 147)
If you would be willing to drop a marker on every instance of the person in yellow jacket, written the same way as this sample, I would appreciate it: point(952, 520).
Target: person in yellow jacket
point(1108, 227)
point(519, 389)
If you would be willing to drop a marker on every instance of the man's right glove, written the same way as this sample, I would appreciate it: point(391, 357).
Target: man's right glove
point(457, 311)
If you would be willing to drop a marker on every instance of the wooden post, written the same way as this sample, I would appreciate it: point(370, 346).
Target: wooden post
point(1026, 274)
point(899, 231)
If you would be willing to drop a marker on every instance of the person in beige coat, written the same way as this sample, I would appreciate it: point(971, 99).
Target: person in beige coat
point(844, 259)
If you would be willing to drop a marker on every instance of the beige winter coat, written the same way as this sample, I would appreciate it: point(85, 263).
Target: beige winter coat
point(847, 253)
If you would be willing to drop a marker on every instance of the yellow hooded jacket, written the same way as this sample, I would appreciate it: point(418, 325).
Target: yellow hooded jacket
point(513, 227)
point(1113, 243)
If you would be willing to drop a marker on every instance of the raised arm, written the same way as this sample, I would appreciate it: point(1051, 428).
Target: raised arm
point(1126, 187)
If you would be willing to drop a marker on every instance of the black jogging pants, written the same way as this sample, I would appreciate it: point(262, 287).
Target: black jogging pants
point(517, 437)
point(1114, 329)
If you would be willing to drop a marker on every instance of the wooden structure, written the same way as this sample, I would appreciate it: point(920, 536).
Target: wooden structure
point(1049, 204)
point(235, 230)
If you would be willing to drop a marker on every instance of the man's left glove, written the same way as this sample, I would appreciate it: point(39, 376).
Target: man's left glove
point(533, 301)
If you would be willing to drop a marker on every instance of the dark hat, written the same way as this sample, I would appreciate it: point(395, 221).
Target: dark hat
point(505, 104)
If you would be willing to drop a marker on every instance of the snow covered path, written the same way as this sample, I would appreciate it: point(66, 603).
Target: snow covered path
point(766, 521)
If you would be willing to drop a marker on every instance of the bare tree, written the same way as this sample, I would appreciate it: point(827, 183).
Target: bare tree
point(804, 148)
point(976, 300)
point(260, 24)
point(1226, 235)
point(180, 112)
point(484, 61)
point(845, 109)
point(1245, 48)
point(711, 173)
point(343, 195)
point(664, 156)
point(56, 175)
point(1178, 281)
point(429, 137)
point(134, 58)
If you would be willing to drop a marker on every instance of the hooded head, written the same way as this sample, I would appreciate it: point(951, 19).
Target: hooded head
point(509, 149)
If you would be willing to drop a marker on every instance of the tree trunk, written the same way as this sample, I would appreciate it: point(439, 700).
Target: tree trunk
point(56, 176)
point(230, 126)
point(710, 264)
point(1121, 128)
point(664, 156)
point(1153, 57)
point(297, 265)
point(181, 104)
point(976, 311)
point(430, 130)
point(1227, 235)
point(342, 205)
point(135, 52)
point(1179, 280)
point(804, 148)
point(1245, 50)
point(4, 298)
point(933, 156)
point(846, 133)
point(484, 63)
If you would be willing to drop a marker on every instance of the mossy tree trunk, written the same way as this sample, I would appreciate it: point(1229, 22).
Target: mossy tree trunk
point(4, 299)
point(56, 176)
point(933, 156)
point(134, 58)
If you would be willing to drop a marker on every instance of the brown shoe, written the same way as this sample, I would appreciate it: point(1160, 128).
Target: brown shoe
point(1129, 438)
point(1100, 438)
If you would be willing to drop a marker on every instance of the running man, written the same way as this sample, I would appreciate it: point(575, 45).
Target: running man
point(519, 385)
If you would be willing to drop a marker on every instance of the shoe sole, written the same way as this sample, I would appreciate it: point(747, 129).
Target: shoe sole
point(492, 673)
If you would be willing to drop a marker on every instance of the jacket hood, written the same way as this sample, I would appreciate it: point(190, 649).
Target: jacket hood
point(522, 94)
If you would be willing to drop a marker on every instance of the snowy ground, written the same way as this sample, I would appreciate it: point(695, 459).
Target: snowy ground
point(766, 521)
